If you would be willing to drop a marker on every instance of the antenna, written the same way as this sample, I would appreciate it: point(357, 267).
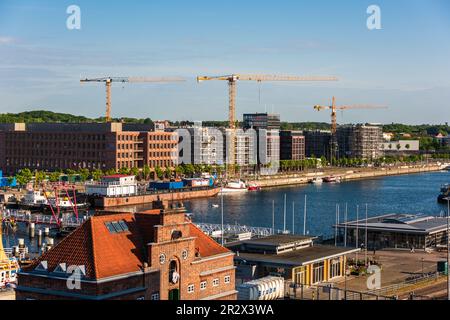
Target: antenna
point(293, 216)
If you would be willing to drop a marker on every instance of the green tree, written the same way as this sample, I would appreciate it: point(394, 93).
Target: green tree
point(24, 176)
point(111, 172)
point(97, 174)
point(159, 172)
point(54, 176)
point(135, 171)
point(124, 170)
point(168, 172)
point(39, 176)
point(146, 172)
point(84, 174)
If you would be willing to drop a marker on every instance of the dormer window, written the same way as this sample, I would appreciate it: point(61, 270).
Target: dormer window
point(43, 266)
point(61, 268)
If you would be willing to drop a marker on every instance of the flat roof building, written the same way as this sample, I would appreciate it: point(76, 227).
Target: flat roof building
point(397, 231)
point(293, 257)
point(60, 146)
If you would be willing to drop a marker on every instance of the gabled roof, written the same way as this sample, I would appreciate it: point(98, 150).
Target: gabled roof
point(106, 254)
point(205, 245)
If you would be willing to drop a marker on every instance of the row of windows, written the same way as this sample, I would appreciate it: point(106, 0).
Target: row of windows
point(161, 163)
point(165, 137)
point(57, 136)
point(126, 137)
point(162, 145)
point(204, 284)
point(162, 154)
point(54, 145)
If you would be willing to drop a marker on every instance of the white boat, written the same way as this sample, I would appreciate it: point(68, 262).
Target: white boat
point(33, 200)
point(215, 205)
point(316, 181)
point(65, 203)
point(235, 187)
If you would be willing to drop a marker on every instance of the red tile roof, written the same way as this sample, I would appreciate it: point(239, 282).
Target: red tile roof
point(105, 254)
point(118, 176)
point(205, 245)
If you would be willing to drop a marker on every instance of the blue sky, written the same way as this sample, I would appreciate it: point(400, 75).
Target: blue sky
point(405, 65)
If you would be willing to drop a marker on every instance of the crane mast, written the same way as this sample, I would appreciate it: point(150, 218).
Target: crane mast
point(333, 143)
point(109, 80)
point(232, 88)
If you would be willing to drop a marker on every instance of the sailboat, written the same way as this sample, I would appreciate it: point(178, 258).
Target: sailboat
point(8, 266)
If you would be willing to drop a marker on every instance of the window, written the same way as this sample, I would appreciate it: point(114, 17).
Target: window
point(162, 258)
point(154, 296)
point(227, 279)
point(116, 226)
point(190, 288)
point(203, 285)
point(215, 282)
point(184, 254)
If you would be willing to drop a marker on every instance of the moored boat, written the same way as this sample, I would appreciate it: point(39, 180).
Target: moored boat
point(235, 187)
point(316, 181)
point(33, 200)
point(253, 187)
point(445, 194)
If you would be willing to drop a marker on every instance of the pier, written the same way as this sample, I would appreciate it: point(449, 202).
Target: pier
point(50, 220)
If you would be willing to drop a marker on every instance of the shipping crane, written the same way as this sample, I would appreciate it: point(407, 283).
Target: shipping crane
point(232, 84)
point(109, 80)
point(334, 109)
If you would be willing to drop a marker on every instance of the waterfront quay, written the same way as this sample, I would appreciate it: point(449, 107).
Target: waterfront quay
point(345, 174)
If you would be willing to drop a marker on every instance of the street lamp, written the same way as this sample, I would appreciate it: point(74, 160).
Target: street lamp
point(448, 248)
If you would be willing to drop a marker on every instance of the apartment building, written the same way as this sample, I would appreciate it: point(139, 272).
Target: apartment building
point(292, 145)
point(360, 141)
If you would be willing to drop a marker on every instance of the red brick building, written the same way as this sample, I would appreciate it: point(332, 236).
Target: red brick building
point(59, 146)
point(157, 254)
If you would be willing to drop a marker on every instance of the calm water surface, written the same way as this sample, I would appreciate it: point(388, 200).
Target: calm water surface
point(414, 193)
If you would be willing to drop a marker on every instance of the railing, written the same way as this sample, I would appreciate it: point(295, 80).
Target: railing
point(422, 279)
point(26, 216)
point(236, 229)
point(328, 292)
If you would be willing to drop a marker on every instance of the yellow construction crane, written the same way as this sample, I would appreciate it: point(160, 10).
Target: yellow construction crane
point(234, 78)
point(232, 81)
point(334, 108)
point(333, 142)
point(109, 80)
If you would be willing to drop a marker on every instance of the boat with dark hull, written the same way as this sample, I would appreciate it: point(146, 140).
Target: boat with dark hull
point(445, 194)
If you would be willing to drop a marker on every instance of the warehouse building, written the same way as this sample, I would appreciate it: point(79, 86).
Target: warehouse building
point(295, 258)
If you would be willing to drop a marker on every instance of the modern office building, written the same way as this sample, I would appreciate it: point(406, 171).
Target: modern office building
point(317, 143)
point(292, 145)
point(56, 146)
point(395, 231)
point(295, 258)
point(153, 255)
point(261, 121)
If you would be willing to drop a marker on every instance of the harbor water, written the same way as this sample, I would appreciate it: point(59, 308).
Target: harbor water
point(413, 194)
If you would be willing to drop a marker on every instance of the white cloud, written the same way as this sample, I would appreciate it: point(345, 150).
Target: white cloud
point(6, 40)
